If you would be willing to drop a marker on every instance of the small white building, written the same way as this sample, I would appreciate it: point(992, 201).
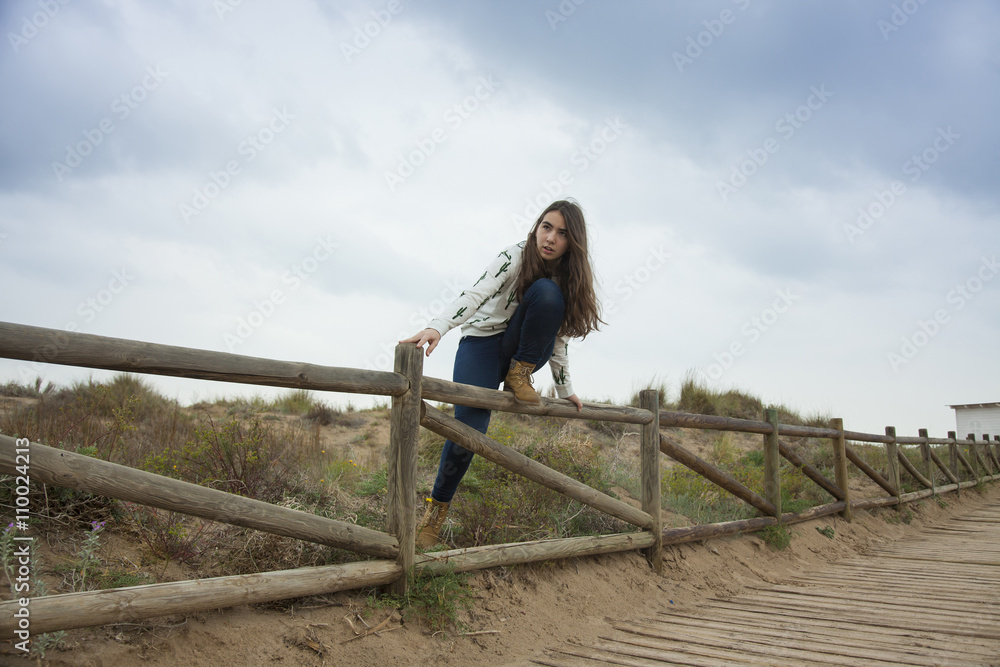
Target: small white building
point(978, 418)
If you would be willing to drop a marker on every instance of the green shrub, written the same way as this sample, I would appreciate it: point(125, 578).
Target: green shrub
point(776, 536)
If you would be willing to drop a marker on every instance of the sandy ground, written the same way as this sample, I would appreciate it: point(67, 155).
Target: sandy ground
point(516, 613)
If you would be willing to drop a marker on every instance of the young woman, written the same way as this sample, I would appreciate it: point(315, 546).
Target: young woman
point(520, 313)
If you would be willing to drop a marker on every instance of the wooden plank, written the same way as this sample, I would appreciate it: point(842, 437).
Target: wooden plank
point(837, 631)
point(907, 602)
point(748, 645)
point(809, 646)
point(860, 603)
point(866, 616)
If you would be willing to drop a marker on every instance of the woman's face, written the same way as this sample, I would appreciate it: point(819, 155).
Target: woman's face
point(551, 237)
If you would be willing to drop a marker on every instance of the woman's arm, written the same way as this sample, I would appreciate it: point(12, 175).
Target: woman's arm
point(559, 365)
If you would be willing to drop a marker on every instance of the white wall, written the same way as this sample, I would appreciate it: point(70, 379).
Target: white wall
point(978, 421)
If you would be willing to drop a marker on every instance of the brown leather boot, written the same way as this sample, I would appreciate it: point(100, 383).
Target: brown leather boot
point(430, 525)
point(518, 380)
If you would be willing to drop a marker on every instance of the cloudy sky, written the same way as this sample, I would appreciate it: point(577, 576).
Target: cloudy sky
point(798, 199)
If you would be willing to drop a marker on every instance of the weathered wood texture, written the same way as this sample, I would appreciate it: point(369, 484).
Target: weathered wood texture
point(404, 436)
point(772, 463)
point(891, 448)
point(925, 457)
point(53, 346)
point(128, 605)
point(435, 389)
point(478, 443)
point(83, 473)
point(840, 466)
point(710, 530)
point(505, 555)
point(714, 475)
point(650, 473)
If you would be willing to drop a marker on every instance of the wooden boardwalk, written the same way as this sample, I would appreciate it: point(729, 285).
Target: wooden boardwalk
point(932, 599)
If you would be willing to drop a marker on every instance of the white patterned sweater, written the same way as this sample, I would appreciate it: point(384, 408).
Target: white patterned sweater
point(485, 308)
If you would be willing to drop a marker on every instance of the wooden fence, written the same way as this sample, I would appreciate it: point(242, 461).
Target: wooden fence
point(394, 549)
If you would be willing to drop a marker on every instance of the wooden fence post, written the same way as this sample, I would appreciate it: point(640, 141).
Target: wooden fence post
point(925, 453)
point(986, 455)
point(649, 400)
point(953, 460)
point(996, 450)
point(404, 434)
point(891, 449)
point(971, 444)
point(840, 465)
point(772, 463)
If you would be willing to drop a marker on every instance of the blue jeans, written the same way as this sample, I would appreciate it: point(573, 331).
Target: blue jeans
point(483, 361)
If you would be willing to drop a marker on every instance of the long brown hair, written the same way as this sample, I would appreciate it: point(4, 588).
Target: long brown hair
point(572, 272)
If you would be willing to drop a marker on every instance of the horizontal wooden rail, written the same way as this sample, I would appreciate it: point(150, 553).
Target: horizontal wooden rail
point(135, 603)
point(716, 423)
point(855, 436)
point(716, 476)
point(448, 427)
point(58, 467)
point(53, 346)
point(477, 558)
point(712, 422)
point(434, 389)
point(711, 530)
